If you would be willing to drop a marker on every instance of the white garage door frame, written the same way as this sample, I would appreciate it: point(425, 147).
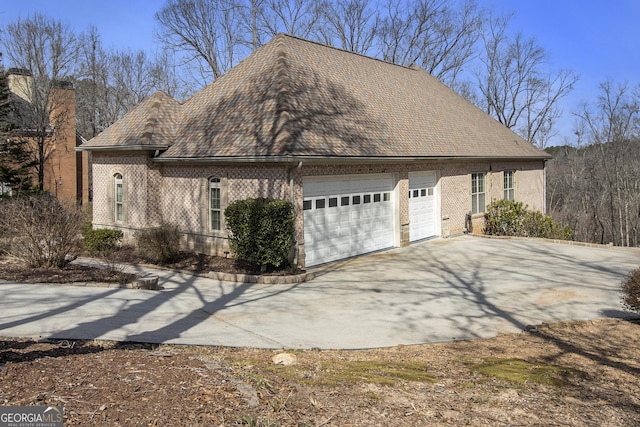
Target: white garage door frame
point(424, 205)
point(348, 215)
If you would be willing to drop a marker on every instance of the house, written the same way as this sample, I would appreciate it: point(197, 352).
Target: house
point(372, 155)
point(65, 171)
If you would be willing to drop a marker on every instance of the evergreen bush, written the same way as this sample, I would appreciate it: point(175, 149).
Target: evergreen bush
point(261, 232)
point(101, 241)
point(510, 218)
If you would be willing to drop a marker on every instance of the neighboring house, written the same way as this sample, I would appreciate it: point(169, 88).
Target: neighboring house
point(373, 155)
point(66, 171)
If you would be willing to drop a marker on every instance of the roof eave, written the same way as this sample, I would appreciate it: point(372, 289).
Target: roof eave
point(122, 148)
point(339, 159)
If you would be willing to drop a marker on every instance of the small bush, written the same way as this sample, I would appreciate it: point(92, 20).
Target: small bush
point(631, 291)
point(159, 245)
point(509, 218)
point(261, 232)
point(505, 218)
point(101, 241)
point(41, 230)
point(536, 224)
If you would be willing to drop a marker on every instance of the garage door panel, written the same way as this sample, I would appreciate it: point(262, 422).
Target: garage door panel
point(422, 205)
point(357, 216)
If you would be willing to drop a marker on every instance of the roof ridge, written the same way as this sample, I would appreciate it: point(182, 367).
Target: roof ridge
point(280, 131)
point(151, 121)
point(339, 49)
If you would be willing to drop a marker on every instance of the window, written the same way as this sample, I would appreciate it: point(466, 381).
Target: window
point(477, 193)
point(214, 204)
point(306, 205)
point(509, 188)
point(320, 203)
point(333, 202)
point(5, 190)
point(119, 197)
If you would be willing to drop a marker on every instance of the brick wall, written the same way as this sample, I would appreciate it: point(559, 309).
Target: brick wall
point(135, 169)
point(175, 193)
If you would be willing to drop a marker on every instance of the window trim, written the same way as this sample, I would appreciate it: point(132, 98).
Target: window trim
point(118, 197)
point(204, 204)
point(214, 183)
point(478, 197)
point(509, 193)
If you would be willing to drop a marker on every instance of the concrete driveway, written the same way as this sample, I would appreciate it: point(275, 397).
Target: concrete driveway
point(438, 290)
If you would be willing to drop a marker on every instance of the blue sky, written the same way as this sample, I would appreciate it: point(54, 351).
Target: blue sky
point(598, 39)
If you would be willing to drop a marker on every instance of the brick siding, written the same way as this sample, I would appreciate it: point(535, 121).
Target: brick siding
point(157, 192)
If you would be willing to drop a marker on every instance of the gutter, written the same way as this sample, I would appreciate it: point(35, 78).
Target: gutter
point(123, 148)
point(297, 158)
point(334, 159)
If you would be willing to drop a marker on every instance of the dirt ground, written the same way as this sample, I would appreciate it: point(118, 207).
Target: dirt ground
point(578, 373)
point(573, 373)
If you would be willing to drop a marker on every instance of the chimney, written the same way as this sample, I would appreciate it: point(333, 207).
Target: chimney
point(20, 82)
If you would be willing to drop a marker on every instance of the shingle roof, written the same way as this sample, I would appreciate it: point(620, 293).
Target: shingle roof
point(151, 124)
point(294, 97)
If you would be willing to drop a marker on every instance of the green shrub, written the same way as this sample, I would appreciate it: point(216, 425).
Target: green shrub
point(505, 218)
point(261, 232)
point(510, 218)
point(101, 241)
point(159, 245)
point(536, 224)
point(631, 291)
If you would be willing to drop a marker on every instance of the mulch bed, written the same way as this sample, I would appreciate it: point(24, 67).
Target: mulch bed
point(12, 269)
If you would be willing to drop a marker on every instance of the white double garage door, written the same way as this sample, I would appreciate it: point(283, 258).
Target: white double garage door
point(351, 215)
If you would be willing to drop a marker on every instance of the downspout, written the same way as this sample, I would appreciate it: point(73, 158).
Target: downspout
point(292, 196)
point(292, 193)
point(544, 187)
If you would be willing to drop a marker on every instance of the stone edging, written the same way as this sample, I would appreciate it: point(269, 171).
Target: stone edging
point(564, 242)
point(150, 280)
point(267, 280)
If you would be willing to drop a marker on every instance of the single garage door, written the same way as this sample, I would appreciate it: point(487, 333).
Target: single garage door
point(422, 205)
point(346, 216)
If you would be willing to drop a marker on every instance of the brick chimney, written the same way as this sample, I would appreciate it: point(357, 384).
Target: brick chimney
point(66, 170)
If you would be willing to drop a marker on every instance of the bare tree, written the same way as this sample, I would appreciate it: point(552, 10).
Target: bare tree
point(47, 50)
point(349, 24)
point(92, 86)
point(612, 127)
point(437, 35)
point(295, 17)
point(205, 32)
point(516, 86)
point(595, 186)
point(110, 84)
